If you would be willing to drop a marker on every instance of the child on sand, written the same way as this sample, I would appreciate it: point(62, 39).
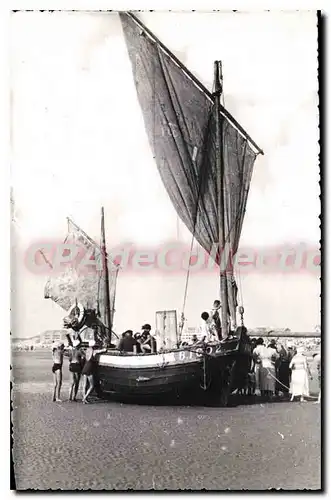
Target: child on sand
point(57, 355)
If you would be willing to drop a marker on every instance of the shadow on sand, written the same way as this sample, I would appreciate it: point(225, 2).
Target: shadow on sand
point(235, 400)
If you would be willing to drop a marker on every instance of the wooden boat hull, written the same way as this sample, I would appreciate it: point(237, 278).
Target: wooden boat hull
point(149, 381)
point(175, 372)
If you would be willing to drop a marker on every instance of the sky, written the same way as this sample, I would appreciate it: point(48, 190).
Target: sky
point(78, 142)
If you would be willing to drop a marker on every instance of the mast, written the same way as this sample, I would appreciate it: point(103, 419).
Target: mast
point(105, 270)
point(220, 183)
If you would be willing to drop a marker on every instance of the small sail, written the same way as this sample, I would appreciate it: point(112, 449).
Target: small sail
point(179, 117)
point(80, 281)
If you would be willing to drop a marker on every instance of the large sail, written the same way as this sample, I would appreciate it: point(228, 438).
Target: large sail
point(180, 124)
point(179, 117)
point(80, 281)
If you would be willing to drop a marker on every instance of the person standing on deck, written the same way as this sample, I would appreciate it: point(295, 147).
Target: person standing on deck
point(215, 319)
point(207, 332)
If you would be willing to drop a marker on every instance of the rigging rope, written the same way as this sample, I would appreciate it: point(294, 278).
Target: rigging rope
point(200, 179)
point(186, 287)
point(227, 239)
point(181, 325)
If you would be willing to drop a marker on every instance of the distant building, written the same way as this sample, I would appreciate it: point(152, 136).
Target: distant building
point(188, 333)
point(43, 339)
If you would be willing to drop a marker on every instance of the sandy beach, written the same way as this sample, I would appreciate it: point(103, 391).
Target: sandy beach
point(111, 445)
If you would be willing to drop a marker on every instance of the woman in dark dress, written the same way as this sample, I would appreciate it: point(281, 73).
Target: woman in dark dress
point(283, 371)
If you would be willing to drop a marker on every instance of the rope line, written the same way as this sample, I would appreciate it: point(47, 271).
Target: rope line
point(200, 180)
point(281, 383)
point(186, 286)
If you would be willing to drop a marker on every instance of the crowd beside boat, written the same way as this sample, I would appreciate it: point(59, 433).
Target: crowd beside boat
point(278, 370)
point(274, 370)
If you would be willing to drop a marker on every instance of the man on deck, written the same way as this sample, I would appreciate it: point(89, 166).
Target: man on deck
point(128, 343)
point(148, 344)
point(207, 331)
point(215, 319)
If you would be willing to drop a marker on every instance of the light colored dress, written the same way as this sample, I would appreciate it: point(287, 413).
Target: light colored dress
point(265, 368)
point(299, 376)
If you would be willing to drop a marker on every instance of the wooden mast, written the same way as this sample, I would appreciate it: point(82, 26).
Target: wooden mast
point(220, 184)
point(105, 270)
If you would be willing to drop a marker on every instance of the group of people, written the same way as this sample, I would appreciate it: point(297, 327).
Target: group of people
point(272, 368)
point(83, 363)
point(139, 343)
point(275, 369)
point(80, 364)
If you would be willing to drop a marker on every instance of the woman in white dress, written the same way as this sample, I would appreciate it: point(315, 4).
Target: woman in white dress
point(265, 368)
point(299, 375)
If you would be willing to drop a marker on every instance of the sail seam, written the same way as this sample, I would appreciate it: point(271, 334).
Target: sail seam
point(178, 125)
point(167, 81)
point(174, 59)
point(196, 82)
point(92, 242)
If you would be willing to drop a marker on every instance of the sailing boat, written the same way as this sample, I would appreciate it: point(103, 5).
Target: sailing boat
point(87, 297)
point(205, 160)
